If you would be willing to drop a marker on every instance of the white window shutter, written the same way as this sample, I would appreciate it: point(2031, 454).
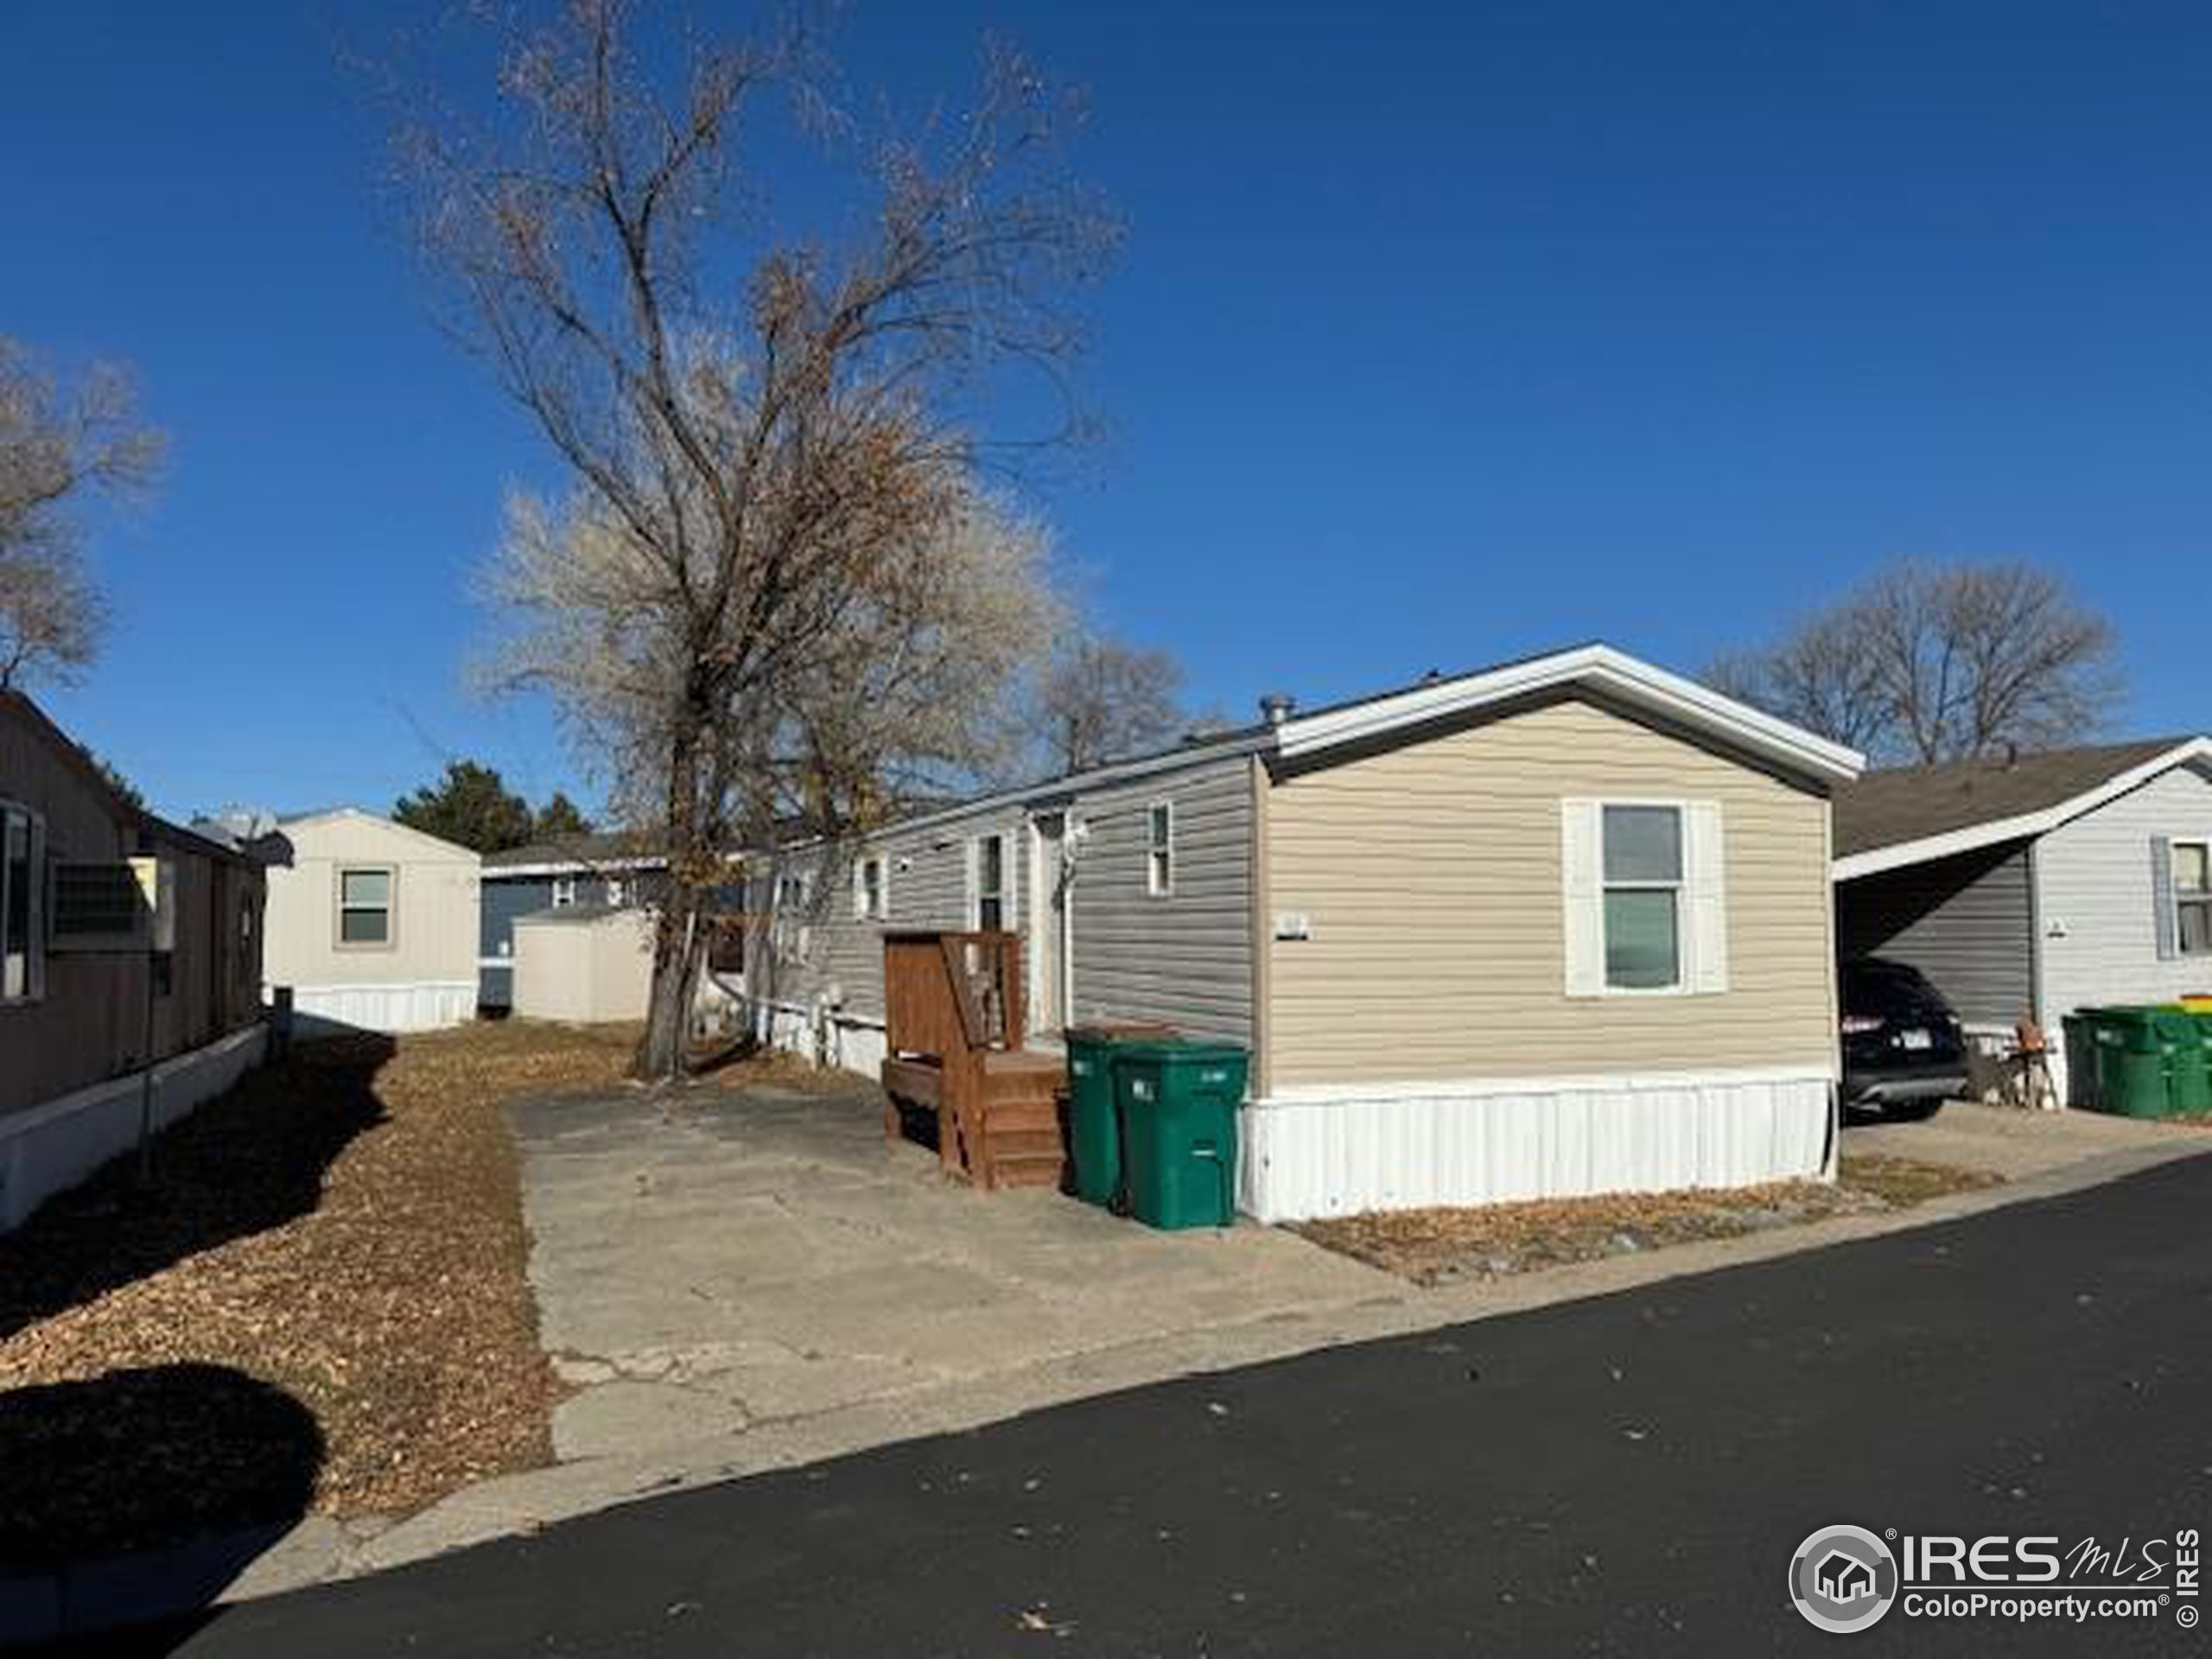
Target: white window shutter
point(1707, 902)
point(974, 890)
point(860, 888)
point(1582, 897)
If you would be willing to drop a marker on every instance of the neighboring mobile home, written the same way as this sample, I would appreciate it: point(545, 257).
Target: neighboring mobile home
point(2030, 886)
point(106, 962)
point(1557, 927)
point(607, 870)
point(374, 925)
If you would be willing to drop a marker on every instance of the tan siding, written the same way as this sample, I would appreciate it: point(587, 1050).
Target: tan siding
point(435, 921)
point(92, 1023)
point(1432, 876)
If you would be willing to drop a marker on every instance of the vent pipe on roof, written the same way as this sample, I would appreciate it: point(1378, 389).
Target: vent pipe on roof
point(1276, 707)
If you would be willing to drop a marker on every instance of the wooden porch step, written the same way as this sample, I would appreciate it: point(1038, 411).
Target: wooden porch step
point(1029, 1171)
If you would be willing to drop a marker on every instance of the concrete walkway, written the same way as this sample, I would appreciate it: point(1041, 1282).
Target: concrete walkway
point(709, 1263)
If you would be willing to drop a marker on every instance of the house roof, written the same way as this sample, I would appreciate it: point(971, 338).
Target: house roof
point(572, 854)
point(1595, 666)
point(1910, 815)
point(291, 819)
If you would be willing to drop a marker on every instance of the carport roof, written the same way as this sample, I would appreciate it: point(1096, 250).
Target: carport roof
point(1909, 815)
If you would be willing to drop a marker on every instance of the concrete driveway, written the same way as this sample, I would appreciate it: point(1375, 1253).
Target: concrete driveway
point(713, 1262)
point(2016, 1145)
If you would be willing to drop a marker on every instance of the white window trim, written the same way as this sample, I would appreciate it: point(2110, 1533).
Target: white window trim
point(2182, 952)
point(564, 891)
point(1003, 893)
point(1701, 902)
point(1160, 856)
point(35, 941)
point(881, 912)
point(1680, 887)
point(339, 907)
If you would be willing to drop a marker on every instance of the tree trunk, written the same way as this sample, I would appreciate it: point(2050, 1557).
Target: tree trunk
point(676, 939)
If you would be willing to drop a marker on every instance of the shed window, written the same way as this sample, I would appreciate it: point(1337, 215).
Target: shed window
point(2193, 897)
point(23, 904)
point(989, 854)
point(1160, 851)
point(364, 906)
point(1644, 898)
point(564, 891)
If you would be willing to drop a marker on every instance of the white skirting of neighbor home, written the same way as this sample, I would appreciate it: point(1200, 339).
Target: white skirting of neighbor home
point(53, 1147)
point(1313, 1152)
point(851, 1042)
point(428, 1007)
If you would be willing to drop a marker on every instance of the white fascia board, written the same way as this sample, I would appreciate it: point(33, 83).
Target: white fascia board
point(576, 867)
point(1973, 837)
point(1601, 668)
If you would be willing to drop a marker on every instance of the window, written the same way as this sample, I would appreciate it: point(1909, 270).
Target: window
point(867, 889)
point(1643, 885)
point(988, 854)
point(793, 936)
point(2193, 897)
point(364, 907)
point(23, 904)
point(618, 892)
point(564, 891)
point(1160, 851)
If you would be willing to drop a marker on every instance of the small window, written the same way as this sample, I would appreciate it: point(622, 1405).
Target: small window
point(564, 891)
point(364, 907)
point(1643, 876)
point(1160, 851)
point(22, 880)
point(867, 889)
point(793, 936)
point(618, 892)
point(2193, 897)
point(990, 884)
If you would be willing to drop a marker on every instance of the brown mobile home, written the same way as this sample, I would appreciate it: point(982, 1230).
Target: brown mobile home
point(124, 939)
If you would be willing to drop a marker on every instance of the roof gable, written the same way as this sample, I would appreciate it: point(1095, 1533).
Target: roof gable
point(357, 815)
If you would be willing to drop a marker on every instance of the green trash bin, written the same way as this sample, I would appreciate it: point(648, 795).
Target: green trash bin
point(2189, 1088)
point(2132, 1063)
point(2083, 1093)
point(1177, 1104)
point(1094, 1134)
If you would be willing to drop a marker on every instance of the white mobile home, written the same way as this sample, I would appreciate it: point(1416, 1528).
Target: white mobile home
point(1561, 926)
point(373, 925)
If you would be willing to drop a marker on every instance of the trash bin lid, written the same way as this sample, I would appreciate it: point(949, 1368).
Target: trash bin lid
point(1186, 1051)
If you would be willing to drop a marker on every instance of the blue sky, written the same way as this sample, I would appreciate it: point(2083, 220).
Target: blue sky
point(1442, 334)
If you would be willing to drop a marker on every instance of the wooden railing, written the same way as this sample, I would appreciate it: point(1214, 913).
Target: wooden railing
point(944, 992)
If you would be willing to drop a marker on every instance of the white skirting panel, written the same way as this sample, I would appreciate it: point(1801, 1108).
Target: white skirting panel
point(1409, 1147)
point(825, 1039)
point(322, 1010)
point(53, 1147)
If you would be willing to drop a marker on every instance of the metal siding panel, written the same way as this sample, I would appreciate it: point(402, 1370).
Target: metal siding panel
point(1965, 922)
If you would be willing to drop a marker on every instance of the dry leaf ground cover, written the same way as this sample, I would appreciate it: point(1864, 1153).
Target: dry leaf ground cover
point(1432, 1247)
point(319, 1302)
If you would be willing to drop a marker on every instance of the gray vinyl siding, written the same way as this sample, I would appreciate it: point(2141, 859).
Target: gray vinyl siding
point(926, 886)
point(2094, 901)
point(1966, 922)
point(1184, 958)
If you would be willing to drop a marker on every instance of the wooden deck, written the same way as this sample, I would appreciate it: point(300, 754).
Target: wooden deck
point(954, 1015)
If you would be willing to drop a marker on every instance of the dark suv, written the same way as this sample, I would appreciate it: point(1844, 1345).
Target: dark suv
point(1904, 1051)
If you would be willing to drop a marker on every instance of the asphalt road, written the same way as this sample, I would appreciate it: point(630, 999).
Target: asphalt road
point(1625, 1475)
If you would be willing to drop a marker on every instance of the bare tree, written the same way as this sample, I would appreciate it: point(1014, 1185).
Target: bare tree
point(1927, 664)
point(1099, 699)
point(58, 448)
point(739, 604)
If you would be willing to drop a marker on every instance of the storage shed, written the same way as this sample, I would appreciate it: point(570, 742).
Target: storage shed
point(583, 964)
